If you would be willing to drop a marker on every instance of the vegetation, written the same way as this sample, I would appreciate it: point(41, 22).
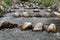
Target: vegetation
point(25, 0)
point(44, 2)
point(4, 4)
point(7, 2)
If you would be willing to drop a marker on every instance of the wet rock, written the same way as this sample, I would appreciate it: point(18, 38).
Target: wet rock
point(16, 15)
point(38, 15)
point(27, 7)
point(8, 10)
point(22, 10)
point(25, 14)
point(35, 7)
point(57, 14)
point(42, 7)
point(49, 9)
point(26, 26)
point(38, 27)
point(59, 10)
point(48, 14)
point(5, 24)
point(52, 28)
point(21, 5)
point(36, 10)
point(12, 7)
point(24, 5)
point(1, 15)
point(16, 6)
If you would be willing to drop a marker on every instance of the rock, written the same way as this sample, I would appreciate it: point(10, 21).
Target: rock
point(38, 27)
point(5, 24)
point(1, 15)
point(26, 26)
point(16, 15)
point(35, 7)
point(27, 7)
point(12, 7)
point(52, 28)
point(21, 5)
point(59, 10)
point(25, 14)
point(48, 14)
point(22, 10)
point(49, 9)
point(57, 14)
point(36, 10)
point(16, 6)
point(38, 15)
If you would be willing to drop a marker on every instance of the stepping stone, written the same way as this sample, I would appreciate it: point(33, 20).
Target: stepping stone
point(16, 6)
point(38, 27)
point(27, 7)
point(1, 15)
point(36, 10)
point(26, 26)
point(48, 14)
point(52, 28)
point(21, 5)
point(16, 15)
point(57, 14)
point(5, 24)
point(49, 9)
point(22, 10)
point(37, 15)
point(59, 10)
point(25, 14)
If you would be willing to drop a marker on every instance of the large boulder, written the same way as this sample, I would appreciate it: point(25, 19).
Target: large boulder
point(38, 27)
point(26, 26)
point(52, 28)
point(6, 24)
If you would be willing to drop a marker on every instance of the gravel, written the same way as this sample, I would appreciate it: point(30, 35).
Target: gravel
point(17, 34)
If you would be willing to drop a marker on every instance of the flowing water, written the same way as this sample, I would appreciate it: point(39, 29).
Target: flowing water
point(17, 34)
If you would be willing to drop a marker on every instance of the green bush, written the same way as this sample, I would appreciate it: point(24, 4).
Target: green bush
point(47, 3)
point(4, 4)
point(7, 2)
